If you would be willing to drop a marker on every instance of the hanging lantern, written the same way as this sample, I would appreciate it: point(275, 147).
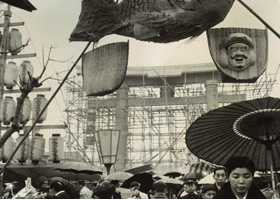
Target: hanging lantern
point(39, 103)
point(56, 146)
point(37, 148)
point(7, 108)
point(10, 75)
point(25, 111)
point(7, 149)
point(15, 41)
point(24, 68)
point(22, 153)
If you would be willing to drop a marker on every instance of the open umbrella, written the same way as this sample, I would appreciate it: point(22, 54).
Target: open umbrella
point(145, 179)
point(78, 167)
point(172, 174)
point(120, 176)
point(248, 128)
point(209, 179)
point(192, 175)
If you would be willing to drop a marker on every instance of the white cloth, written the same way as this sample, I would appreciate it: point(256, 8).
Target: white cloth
point(85, 193)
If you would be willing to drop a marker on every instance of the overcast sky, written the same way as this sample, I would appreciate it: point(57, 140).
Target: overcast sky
point(54, 20)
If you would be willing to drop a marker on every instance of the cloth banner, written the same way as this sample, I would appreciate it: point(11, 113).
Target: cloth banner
point(251, 62)
point(104, 68)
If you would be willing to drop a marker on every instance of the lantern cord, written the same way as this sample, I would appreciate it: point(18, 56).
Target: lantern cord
point(257, 16)
point(43, 110)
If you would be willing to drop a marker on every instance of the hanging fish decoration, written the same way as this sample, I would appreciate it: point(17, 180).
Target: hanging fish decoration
point(160, 21)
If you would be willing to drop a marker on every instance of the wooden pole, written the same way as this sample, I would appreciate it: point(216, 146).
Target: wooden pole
point(257, 16)
point(269, 152)
point(3, 58)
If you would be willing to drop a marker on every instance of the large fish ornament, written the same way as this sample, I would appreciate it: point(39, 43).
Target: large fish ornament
point(160, 21)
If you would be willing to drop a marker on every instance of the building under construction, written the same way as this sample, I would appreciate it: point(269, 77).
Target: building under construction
point(153, 109)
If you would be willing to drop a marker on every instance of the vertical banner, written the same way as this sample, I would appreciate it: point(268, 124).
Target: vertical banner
point(240, 54)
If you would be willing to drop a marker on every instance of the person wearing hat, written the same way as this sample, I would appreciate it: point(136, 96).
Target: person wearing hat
point(237, 52)
point(57, 191)
point(104, 190)
point(116, 184)
point(240, 186)
point(189, 187)
point(159, 189)
point(135, 191)
point(85, 193)
point(208, 191)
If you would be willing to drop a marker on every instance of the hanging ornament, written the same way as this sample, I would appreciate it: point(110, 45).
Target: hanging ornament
point(240, 54)
point(7, 108)
point(25, 68)
point(22, 153)
point(15, 41)
point(7, 149)
point(56, 146)
point(39, 103)
point(10, 75)
point(37, 148)
point(25, 111)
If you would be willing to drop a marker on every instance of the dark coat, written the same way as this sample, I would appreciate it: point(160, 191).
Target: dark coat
point(60, 195)
point(160, 195)
point(227, 193)
point(190, 196)
point(68, 187)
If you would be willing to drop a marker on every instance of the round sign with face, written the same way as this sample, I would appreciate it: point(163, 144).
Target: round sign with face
point(237, 52)
point(240, 54)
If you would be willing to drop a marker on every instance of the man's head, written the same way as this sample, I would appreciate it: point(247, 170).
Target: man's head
point(159, 187)
point(57, 186)
point(266, 189)
point(189, 186)
point(135, 187)
point(82, 183)
point(208, 191)
point(241, 171)
point(220, 176)
point(105, 190)
point(237, 52)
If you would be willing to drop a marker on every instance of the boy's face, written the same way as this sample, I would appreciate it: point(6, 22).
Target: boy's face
point(190, 187)
point(220, 177)
point(209, 194)
point(135, 190)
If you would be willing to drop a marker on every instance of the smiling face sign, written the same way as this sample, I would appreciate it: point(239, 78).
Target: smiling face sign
point(237, 52)
point(240, 54)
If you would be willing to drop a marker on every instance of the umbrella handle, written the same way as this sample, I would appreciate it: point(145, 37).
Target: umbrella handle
point(269, 152)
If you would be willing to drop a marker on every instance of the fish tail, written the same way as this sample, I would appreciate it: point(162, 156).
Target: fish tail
point(97, 19)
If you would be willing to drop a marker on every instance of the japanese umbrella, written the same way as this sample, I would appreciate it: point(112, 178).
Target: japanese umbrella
point(248, 128)
point(120, 176)
point(145, 179)
point(78, 167)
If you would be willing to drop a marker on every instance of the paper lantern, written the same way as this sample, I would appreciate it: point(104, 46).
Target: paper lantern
point(56, 146)
point(10, 75)
point(7, 149)
point(39, 103)
point(22, 153)
point(24, 68)
point(37, 148)
point(25, 111)
point(15, 41)
point(8, 107)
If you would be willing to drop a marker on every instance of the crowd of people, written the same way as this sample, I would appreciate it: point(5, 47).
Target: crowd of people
point(233, 181)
